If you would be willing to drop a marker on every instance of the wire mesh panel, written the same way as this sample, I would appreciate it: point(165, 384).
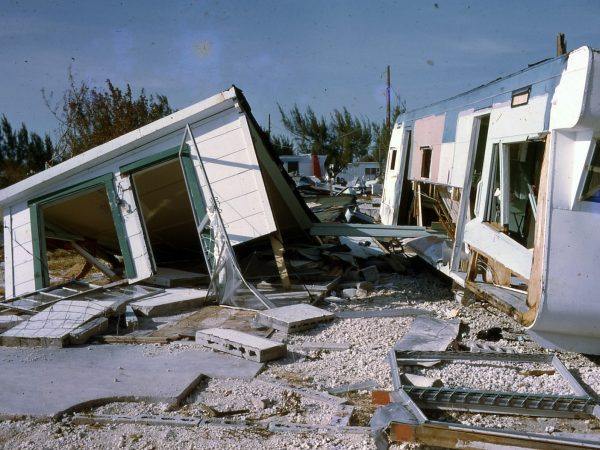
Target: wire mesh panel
point(53, 325)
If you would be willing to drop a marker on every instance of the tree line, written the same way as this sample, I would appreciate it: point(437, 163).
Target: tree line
point(86, 117)
point(342, 137)
point(90, 116)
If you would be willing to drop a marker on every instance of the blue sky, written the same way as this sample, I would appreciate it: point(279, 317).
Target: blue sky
point(326, 54)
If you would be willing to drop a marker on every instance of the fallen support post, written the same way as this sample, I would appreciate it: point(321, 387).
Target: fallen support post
point(492, 402)
point(278, 252)
point(94, 261)
point(407, 423)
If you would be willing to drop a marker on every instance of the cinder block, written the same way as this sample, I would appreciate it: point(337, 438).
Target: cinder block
point(293, 318)
point(241, 344)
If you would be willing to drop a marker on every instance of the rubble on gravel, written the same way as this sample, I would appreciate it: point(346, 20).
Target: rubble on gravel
point(291, 393)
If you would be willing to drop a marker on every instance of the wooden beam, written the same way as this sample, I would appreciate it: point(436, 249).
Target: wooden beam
point(95, 262)
point(536, 278)
point(278, 252)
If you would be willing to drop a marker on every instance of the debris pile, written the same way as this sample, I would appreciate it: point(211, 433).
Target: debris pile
point(340, 369)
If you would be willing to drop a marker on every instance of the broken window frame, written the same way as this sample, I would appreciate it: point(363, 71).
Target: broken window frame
point(293, 167)
point(187, 166)
point(393, 159)
point(500, 204)
point(40, 262)
point(592, 167)
point(520, 97)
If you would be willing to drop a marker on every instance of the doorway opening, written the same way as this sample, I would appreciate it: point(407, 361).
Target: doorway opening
point(167, 216)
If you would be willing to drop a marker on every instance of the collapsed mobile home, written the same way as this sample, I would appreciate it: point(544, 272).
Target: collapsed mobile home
point(511, 171)
point(141, 200)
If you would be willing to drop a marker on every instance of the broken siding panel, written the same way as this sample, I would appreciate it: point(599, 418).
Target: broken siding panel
point(8, 254)
point(24, 273)
point(22, 234)
point(500, 246)
point(225, 170)
point(508, 123)
point(20, 276)
point(269, 217)
point(233, 171)
point(570, 305)
point(569, 95)
point(224, 147)
point(216, 128)
point(428, 132)
point(572, 149)
point(288, 208)
point(23, 256)
point(464, 131)
point(445, 169)
point(249, 203)
point(583, 150)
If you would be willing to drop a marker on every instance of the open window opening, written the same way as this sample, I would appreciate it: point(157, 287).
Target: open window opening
point(512, 200)
point(407, 194)
point(393, 159)
point(426, 162)
point(293, 167)
point(591, 186)
point(476, 173)
point(80, 239)
point(167, 216)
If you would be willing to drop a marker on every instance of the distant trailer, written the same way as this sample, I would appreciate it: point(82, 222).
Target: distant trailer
point(138, 199)
point(511, 171)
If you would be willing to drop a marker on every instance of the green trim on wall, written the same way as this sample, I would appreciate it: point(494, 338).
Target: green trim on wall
point(195, 193)
point(189, 172)
point(40, 260)
point(113, 201)
point(151, 160)
point(103, 179)
point(38, 236)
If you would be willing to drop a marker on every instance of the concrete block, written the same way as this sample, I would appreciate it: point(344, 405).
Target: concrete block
point(293, 318)
point(167, 277)
point(241, 344)
point(81, 334)
point(171, 302)
point(349, 293)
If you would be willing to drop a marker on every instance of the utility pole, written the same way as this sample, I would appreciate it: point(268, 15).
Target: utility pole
point(561, 44)
point(387, 95)
point(269, 127)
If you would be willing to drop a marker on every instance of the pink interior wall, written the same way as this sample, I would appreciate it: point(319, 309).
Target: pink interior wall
point(428, 132)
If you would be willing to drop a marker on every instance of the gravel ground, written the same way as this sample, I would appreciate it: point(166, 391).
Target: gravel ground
point(294, 389)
